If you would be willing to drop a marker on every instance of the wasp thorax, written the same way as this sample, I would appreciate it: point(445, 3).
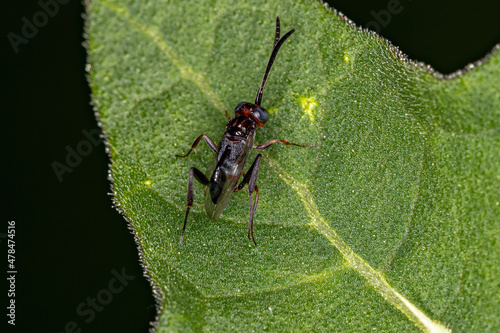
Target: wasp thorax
point(237, 129)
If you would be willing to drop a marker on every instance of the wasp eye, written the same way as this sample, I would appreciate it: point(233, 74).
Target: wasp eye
point(261, 114)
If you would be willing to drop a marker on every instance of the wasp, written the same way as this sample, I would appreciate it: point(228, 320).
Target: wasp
point(233, 151)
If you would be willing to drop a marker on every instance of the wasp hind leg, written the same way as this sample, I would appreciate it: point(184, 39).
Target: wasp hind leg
point(203, 180)
point(251, 179)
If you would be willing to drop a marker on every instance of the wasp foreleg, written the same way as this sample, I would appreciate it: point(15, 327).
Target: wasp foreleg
point(209, 142)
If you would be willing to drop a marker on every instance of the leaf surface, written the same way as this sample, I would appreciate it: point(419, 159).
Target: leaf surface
point(390, 223)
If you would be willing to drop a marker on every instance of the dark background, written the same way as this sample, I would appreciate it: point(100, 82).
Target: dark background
point(68, 236)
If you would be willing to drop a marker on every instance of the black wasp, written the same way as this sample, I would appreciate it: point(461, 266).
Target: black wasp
point(232, 153)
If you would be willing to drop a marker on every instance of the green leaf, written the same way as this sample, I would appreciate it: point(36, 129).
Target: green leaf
point(391, 223)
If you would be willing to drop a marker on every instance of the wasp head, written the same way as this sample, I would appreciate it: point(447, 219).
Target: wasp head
point(255, 112)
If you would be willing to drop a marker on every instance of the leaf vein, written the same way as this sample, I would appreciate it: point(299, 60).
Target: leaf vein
point(186, 71)
point(375, 278)
point(307, 279)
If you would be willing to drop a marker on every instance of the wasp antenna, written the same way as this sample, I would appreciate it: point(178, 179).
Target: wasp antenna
point(277, 34)
point(277, 45)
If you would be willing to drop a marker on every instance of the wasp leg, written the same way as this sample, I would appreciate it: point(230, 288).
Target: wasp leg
point(202, 179)
point(209, 142)
point(251, 179)
point(286, 143)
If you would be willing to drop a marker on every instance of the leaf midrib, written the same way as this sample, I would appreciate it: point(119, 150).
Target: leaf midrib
point(374, 277)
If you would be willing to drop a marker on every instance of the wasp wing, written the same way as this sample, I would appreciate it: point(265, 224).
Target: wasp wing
point(226, 171)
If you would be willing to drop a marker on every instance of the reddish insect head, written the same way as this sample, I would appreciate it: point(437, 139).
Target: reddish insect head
point(255, 112)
